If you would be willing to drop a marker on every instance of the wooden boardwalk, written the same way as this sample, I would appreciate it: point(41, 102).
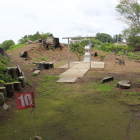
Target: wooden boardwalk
point(78, 69)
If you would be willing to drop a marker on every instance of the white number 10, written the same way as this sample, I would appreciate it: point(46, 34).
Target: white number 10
point(25, 99)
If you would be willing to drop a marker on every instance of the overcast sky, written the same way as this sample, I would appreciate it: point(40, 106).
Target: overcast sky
point(62, 18)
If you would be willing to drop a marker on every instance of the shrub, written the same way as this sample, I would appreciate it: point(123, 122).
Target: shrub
point(7, 44)
point(102, 57)
point(4, 62)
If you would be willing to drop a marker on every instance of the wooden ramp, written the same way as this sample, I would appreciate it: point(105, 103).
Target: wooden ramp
point(74, 72)
point(78, 69)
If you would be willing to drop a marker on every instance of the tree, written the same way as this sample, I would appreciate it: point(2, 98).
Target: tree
point(7, 43)
point(103, 37)
point(117, 38)
point(129, 11)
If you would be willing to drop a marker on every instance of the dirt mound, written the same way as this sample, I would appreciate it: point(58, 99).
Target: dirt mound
point(37, 52)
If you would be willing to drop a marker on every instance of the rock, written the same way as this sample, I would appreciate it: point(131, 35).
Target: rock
point(124, 84)
point(107, 79)
point(5, 106)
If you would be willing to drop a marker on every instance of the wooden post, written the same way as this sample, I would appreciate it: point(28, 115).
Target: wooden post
point(12, 71)
point(2, 100)
point(68, 54)
point(46, 65)
point(17, 86)
point(22, 80)
point(51, 65)
point(9, 89)
point(3, 90)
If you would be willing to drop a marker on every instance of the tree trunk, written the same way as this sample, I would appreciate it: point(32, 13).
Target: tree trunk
point(51, 65)
point(24, 54)
point(17, 86)
point(56, 43)
point(39, 66)
point(43, 65)
point(9, 89)
point(46, 65)
point(124, 84)
point(19, 72)
point(2, 52)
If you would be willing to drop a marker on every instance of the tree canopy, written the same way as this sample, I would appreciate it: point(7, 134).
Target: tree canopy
point(103, 37)
point(7, 43)
point(129, 11)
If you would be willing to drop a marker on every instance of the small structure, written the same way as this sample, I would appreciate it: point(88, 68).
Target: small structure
point(121, 43)
point(87, 53)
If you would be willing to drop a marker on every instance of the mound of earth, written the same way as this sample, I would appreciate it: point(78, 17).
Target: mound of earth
point(37, 53)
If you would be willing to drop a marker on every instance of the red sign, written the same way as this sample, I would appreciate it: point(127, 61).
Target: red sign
point(25, 100)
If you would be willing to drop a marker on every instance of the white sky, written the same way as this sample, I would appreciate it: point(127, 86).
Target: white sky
point(62, 18)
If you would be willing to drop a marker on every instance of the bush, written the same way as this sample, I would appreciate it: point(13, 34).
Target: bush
point(7, 44)
point(4, 63)
point(102, 57)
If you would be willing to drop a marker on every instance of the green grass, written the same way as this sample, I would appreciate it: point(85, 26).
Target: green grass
point(14, 47)
point(44, 58)
point(78, 111)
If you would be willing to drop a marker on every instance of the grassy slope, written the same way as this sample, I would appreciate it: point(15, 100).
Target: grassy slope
point(85, 110)
point(76, 112)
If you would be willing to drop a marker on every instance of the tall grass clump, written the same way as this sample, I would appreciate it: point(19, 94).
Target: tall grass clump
point(44, 58)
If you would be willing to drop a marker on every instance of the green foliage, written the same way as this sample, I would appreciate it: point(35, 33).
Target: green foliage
point(78, 48)
point(120, 53)
point(33, 75)
point(14, 47)
point(7, 44)
point(33, 37)
point(102, 57)
point(103, 37)
point(129, 11)
point(28, 82)
point(6, 78)
point(118, 38)
point(132, 55)
point(4, 63)
point(44, 58)
point(96, 41)
point(23, 40)
point(109, 47)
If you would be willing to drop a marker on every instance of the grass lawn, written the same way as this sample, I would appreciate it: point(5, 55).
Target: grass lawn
point(78, 111)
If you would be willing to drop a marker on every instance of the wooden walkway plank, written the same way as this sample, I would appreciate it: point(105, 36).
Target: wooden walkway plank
point(78, 70)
